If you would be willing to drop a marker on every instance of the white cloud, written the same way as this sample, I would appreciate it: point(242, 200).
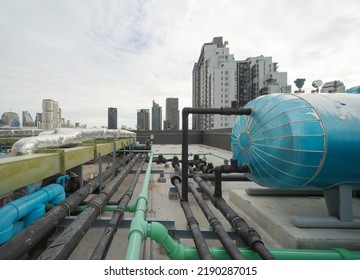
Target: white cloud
point(91, 55)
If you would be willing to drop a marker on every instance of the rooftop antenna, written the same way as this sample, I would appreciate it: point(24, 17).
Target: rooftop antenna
point(316, 84)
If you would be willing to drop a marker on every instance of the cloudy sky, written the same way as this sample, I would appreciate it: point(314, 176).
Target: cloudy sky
point(91, 55)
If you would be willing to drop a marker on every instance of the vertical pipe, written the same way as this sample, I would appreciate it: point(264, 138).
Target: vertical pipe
point(185, 131)
point(138, 227)
point(100, 173)
point(184, 154)
point(81, 175)
point(114, 158)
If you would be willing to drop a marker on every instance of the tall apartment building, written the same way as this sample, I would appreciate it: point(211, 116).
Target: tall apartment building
point(38, 120)
point(259, 76)
point(214, 84)
point(143, 119)
point(156, 116)
point(27, 120)
point(112, 118)
point(50, 114)
point(218, 79)
point(172, 114)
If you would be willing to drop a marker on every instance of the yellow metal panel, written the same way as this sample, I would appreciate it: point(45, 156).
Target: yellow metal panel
point(9, 140)
point(77, 156)
point(19, 171)
point(16, 172)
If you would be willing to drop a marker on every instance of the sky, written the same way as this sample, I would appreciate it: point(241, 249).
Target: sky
point(90, 55)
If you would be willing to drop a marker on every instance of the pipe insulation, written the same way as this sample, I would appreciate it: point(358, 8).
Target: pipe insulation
point(34, 233)
point(300, 140)
point(61, 137)
point(248, 235)
point(193, 224)
point(224, 238)
point(66, 242)
point(106, 238)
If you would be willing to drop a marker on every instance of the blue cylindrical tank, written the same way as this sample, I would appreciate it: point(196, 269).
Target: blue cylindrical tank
point(295, 141)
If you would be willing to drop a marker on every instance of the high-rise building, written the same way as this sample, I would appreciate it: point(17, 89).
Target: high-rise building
point(38, 120)
point(172, 114)
point(218, 80)
point(10, 119)
point(214, 84)
point(50, 114)
point(112, 118)
point(259, 76)
point(143, 119)
point(27, 120)
point(156, 116)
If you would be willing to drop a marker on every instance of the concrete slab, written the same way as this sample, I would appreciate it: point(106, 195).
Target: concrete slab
point(270, 216)
point(274, 213)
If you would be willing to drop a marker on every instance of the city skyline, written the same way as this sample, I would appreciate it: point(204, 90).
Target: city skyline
point(95, 54)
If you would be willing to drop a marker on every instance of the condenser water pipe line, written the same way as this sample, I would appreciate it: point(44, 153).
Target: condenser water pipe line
point(109, 232)
point(29, 208)
point(193, 224)
point(33, 234)
point(224, 238)
point(185, 131)
point(138, 228)
point(248, 235)
point(62, 247)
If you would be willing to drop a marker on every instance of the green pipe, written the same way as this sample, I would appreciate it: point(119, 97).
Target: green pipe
point(138, 227)
point(159, 233)
point(176, 251)
point(131, 208)
point(219, 253)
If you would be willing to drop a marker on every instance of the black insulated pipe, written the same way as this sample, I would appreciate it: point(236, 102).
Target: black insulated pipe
point(225, 177)
point(248, 235)
point(224, 238)
point(226, 169)
point(199, 240)
point(106, 238)
point(62, 247)
point(185, 131)
point(29, 237)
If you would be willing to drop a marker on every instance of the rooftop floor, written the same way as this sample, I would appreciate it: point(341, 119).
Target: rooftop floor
point(270, 215)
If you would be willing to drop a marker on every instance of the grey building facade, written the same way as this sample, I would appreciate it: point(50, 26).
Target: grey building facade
point(172, 114)
point(156, 116)
point(143, 119)
point(112, 118)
